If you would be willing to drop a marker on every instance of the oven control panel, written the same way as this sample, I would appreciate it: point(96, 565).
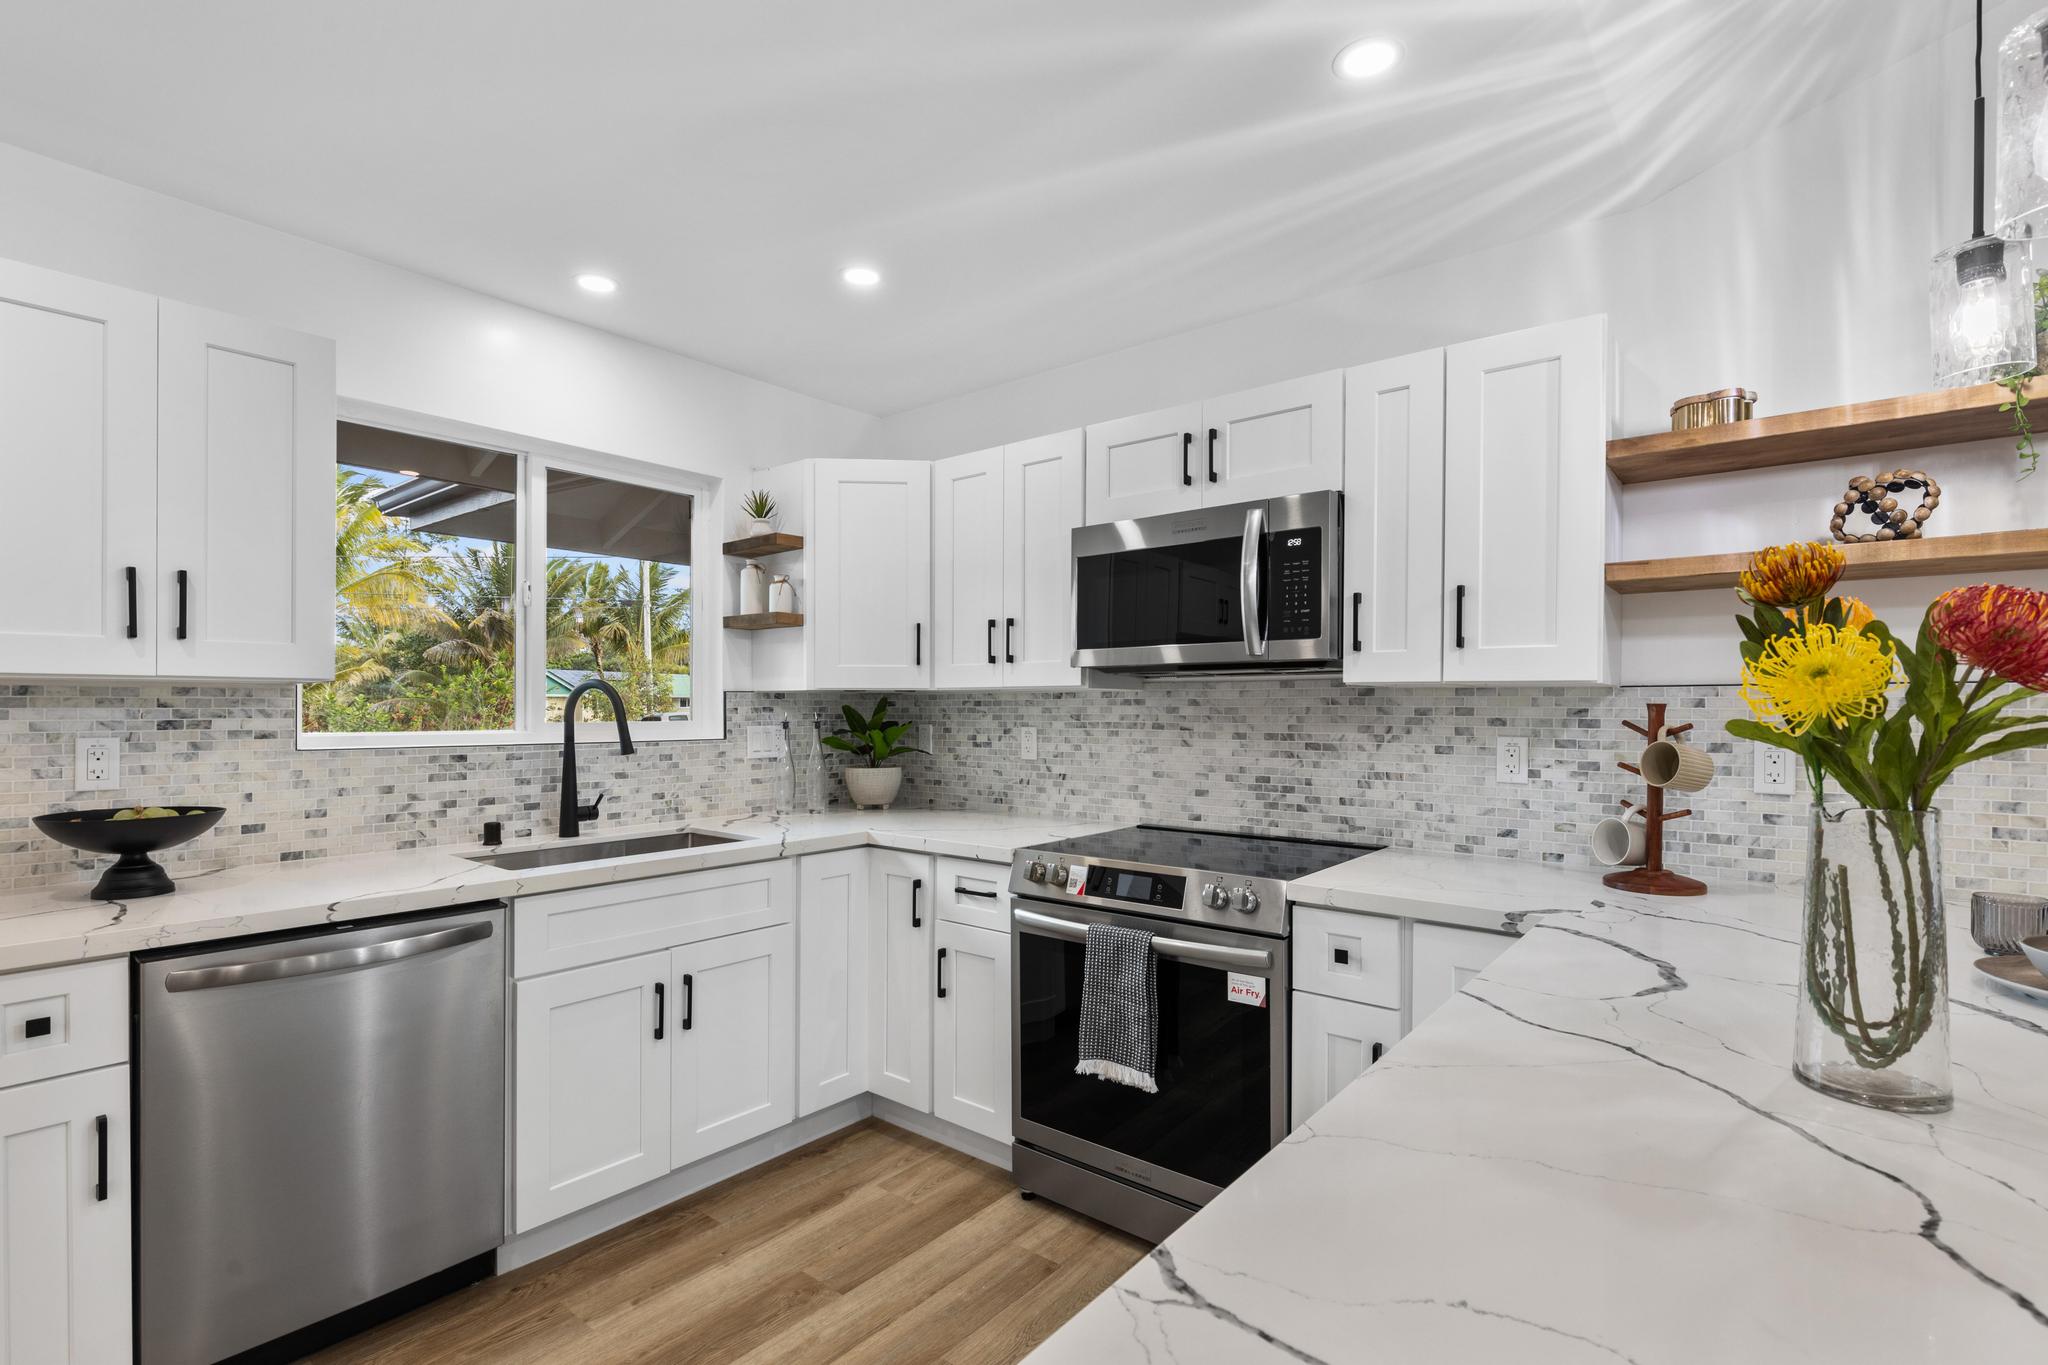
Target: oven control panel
point(1254, 904)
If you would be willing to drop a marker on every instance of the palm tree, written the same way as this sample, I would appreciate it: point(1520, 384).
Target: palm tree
point(382, 572)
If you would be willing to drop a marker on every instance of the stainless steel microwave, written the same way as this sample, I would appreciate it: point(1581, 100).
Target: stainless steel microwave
point(1250, 586)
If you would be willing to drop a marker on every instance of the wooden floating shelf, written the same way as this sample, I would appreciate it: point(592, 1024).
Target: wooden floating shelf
point(765, 620)
point(760, 547)
point(1942, 417)
point(1946, 556)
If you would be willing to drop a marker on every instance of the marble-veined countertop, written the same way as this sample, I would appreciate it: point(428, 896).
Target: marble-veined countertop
point(1598, 1153)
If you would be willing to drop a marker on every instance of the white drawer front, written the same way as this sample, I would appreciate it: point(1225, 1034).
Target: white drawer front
point(561, 929)
point(1347, 956)
point(973, 893)
point(63, 1019)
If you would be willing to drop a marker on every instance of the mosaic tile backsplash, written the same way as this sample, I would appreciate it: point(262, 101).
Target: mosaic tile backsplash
point(1408, 766)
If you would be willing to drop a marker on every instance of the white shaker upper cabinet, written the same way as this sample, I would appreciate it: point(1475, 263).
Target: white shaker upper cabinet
point(78, 461)
point(1042, 496)
point(968, 530)
point(1273, 441)
point(1394, 520)
point(870, 591)
point(245, 439)
point(1145, 465)
point(1526, 506)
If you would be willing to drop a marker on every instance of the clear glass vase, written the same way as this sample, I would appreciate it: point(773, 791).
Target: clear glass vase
point(1873, 999)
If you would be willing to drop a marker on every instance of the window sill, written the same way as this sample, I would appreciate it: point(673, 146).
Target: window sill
point(595, 733)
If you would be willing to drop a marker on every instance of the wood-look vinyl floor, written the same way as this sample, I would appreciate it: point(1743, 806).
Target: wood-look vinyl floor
point(871, 1244)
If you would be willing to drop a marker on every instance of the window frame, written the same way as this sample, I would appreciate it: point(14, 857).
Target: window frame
point(536, 458)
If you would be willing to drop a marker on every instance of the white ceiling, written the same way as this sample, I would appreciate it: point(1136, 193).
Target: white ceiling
point(1039, 181)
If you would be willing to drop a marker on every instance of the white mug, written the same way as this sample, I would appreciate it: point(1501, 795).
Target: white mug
point(1676, 766)
point(1621, 840)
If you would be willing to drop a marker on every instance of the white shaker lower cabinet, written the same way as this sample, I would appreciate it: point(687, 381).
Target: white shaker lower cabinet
point(734, 1040)
point(1442, 959)
point(1335, 1041)
point(833, 978)
point(902, 925)
point(65, 1207)
point(592, 1085)
point(1527, 506)
point(971, 1029)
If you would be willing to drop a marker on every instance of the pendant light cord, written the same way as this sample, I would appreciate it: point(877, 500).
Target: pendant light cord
point(1977, 171)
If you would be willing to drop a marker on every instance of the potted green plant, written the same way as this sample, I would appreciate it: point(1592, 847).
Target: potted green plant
point(873, 740)
point(759, 508)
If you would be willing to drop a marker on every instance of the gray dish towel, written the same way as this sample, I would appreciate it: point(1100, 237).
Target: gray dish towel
point(1119, 1007)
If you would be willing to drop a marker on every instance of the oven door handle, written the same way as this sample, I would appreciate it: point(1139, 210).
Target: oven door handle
point(1248, 556)
point(1210, 954)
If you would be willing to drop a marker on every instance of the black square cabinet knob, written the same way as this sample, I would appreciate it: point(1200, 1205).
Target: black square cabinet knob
point(38, 1027)
point(1343, 955)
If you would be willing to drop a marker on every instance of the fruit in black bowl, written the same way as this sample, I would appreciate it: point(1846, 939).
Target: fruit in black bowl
point(132, 833)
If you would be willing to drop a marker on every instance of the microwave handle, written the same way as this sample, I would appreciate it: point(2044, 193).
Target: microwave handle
point(1249, 555)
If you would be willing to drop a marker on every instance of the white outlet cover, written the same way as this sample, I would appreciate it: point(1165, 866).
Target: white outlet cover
point(764, 741)
point(1511, 758)
point(1777, 771)
point(99, 763)
point(1027, 742)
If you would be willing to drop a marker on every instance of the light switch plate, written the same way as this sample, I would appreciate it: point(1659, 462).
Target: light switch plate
point(1027, 742)
point(99, 763)
point(1775, 772)
point(764, 741)
point(1511, 759)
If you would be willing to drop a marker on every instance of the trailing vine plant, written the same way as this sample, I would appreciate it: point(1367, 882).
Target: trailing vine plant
point(2022, 425)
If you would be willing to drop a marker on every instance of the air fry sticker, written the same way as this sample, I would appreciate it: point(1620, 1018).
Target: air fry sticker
point(1248, 990)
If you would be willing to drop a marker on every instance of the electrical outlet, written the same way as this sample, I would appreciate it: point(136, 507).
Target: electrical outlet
point(99, 763)
point(1027, 742)
point(764, 741)
point(1774, 770)
point(1511, 759)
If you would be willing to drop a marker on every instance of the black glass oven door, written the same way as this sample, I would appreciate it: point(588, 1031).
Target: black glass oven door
point(1214, 1113)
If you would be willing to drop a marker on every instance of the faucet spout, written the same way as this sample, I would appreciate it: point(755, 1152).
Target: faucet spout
point(574, 812)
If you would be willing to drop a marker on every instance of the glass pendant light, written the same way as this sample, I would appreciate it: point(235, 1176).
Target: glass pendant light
point(1982, 292)
point(2023, 130)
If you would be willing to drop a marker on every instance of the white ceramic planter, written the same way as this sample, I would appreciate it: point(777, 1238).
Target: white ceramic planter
point(873, 788)
point(757, 527)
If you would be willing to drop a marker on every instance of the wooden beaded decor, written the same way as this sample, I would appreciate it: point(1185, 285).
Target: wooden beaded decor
point(1878, 498)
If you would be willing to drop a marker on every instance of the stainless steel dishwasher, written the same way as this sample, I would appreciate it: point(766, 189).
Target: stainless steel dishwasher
point(320, 1139)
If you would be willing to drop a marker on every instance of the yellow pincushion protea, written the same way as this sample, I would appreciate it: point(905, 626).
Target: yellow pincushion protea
point(1822, 674)
point(1792, 575)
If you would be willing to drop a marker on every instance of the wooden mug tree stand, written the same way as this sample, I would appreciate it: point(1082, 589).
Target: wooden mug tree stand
point(1653, 878)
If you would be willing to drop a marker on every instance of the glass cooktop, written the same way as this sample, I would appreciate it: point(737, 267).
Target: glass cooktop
point(1236, 855)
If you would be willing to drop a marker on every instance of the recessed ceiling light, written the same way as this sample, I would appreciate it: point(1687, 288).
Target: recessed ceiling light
point(598, 284)
point(861, 276)
point(1366, 58)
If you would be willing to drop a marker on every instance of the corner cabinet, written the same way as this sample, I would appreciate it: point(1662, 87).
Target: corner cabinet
point(175, 470)
point(1002, 549)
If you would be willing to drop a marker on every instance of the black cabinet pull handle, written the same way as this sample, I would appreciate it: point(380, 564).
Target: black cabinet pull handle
point(917, 644)
point(38, 1027)
point(1459, 634)
point(991, 639)
point(1009, 639)
point(660, 1010)
point(132, 627)
point(1378, 1050)
point(1357, 645)
point(916, 889)
point(99, 1189)
point(970, 891)
point(942, 974)
point(184, 581)
point(1212, 454)
point(1187, 447)
point(689, 1001)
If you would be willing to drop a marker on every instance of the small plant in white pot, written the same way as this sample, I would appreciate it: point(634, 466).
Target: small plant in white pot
point(874, 741)
point(759, 509)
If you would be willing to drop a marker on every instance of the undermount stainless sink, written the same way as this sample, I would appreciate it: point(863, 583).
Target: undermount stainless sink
point(598, 849)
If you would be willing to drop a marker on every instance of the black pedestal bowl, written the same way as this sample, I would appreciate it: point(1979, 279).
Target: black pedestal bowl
point(133, 875)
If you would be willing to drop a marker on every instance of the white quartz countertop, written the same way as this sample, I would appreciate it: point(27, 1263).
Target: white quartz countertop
point(63, 924)
point(1599, 1153)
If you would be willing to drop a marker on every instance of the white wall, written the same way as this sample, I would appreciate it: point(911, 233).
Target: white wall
point(407, 341)
point(1798, 268)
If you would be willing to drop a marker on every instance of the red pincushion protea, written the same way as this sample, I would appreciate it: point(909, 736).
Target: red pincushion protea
point(2002, 630)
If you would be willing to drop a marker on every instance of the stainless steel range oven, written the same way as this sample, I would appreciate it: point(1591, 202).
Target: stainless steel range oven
point(1217, 907)
point(1254, 585)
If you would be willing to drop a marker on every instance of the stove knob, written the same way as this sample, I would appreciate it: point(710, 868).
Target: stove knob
point(1059, 874)
point(1034, 871)
point(1244, 900)
point(1214, 896)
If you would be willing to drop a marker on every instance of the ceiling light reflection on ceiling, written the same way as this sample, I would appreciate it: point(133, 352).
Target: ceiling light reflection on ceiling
point(597, 284)
point(861, 276)
point(1366, 58)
